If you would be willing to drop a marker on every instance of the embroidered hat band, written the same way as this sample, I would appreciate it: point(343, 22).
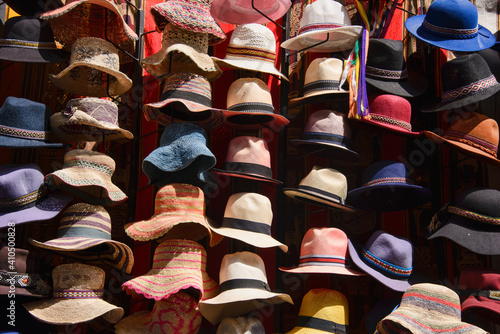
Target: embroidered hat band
point(379, 264)
point(319, 26)
point(386, 74)
point(391, 121)
point(436, 222)
point(253, 53)
point(472, 88)
point(385, 180)
point(28, 45)
point(474, 141)
point(321, 325)
point(453, 32)
point(78, 294)
point(25, 201)
point(25, 134)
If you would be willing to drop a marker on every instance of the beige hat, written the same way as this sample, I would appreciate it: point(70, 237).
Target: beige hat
point(241, 325)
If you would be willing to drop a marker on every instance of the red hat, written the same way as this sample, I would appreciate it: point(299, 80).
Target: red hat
point(479, 289)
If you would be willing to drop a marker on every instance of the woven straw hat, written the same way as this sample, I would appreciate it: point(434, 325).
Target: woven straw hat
point(241, 12)
point(243, 288)
point(178, 264)
point(91, 58)
point(241, 325)
point(82, 229)
point(77, 297)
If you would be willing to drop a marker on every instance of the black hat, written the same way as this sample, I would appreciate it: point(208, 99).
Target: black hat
point(33, 7)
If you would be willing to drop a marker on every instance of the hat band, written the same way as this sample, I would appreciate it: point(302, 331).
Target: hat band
point(321, 260)
point(454, 94)
point(386, 180)
point(450, 32)
point(82, 232)
point(491, 294)
point(252, 107)
point(246, 167)
point(25, 201)
point(327, 137)
point(391, 121)
point(320, 85)
point(78, 294)
point(184, 95)
point(320, 324)
point(379, 264)
point(17, 43)
point(252, 53)
point(23, 133)
point(473, 141)
point(246, 225)
point(243, 283)
point(319, 26)
point(386, 74)
point(88, 164)
point(474, 216)
point(19, 280)
point(333, 196)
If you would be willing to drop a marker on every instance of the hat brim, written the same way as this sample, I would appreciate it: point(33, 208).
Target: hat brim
point(326, 149)
point(249, 64)
point(25, 55)
point(324, 96)
point(415, 85)
point(246, 176)
point(7, 141)
point(312, 197)
point(227, 11)
point(336, 39)
point(323, 270)
point(29, 292)
point(388, 127)
point(255, 119)
point(474, 303)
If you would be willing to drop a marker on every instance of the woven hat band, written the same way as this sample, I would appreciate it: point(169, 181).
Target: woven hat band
point(387, 268)
point(388, 180)
point(25, 134)
point(375, 72)
point(245, 167)
point(25, 280)
point(189, 96)
point(28, 45)
point(473, 215)
point(473, 141)
point(88, 164)
point(491, 294)
point(246, 225)
point(472, 88)
point(320, 324)
point(252, 107)
point(327, 137)
point(320, 85)
point(242, 283)
point(391, 121)
point(25, 201)
point(450, 32)
point(78, 294)
point(252, 53)
point(334, 197)
point(322, 260)
point(319, 26)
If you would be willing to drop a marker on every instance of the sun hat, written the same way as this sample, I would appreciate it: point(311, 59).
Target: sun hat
point(251, 47)
point(322, 186)
point(178, 264)
point(427, 308)
point(91, 59)
point(243, 288)
point(248, 217)
point(85, 233)
point(479, 290)
point(322, 311)
point(76, 297)
point(242, 12)
point(186, 97)
point(473, 215)
point(240, 325)
point(324, 20)
point(451, 25)
point(29, 40)
point(88, 119)
point(386, 187)
point(87, 175)
point(32, 7)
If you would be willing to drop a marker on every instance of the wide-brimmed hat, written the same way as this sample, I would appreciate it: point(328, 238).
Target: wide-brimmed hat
point(87, 175)
point(324, 21)
point(324, 187)
point(248, 217)
point(85, 233)
point(324, 250)
point(178, 264)
point(94, 70)
point(479, 291)
point(33, 8)
point(451, 25)
point(88, 119)
point(242, 12)
point(473, 215)
point(322, 310)
point(76, 297)
point(386, 187)
point(243, 288)
point(186, 97)
point(251, 47)
point(241, 325)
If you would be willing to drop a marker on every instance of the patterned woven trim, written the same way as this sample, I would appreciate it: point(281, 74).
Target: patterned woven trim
point(472, 88)
point(386, 74)
point(385, 180)
point(88, 164)
point(28, 45)
point(474, 216)
point(23, 133)
point(391, 121)
point(25, 199)
point(456, 33)
point(23, 280)
point(395, 270)
point(476, 142)
point(319, 26)
point(251, 53)
point(78, 294)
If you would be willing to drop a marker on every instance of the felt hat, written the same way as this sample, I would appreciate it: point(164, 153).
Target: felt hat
point(324, 21)
point(322, 311)
point(492, 58)
point(33, 8)
point(240, 325)
point(94, 70)
point(243, 288)
point(178, 264)
point(451, 25)
point(324, 250)
point(479, 291)
point(243, 12)
point(76, 297)
point(248, 217)
point(87, 175)
point(386, 187)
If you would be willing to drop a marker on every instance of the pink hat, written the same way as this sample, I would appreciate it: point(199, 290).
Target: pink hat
point(241, 11)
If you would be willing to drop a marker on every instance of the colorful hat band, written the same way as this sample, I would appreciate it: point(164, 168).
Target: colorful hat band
point(321, 260)
point(333, 196)
point(243, 283)
point(25, 134)
point(476, 142)
point(246, 225)
point(184, 95)
point(450, 32)
point(388, 180)
point(78, 294)
point(25, 201)
point(327, 137)
point(472, 88)
point(320, 324)
point(491, 294)
point(375, 72)
point(391, 269)
point(319, 26)
point(88, 164)
point(19, 280)
point(252, 107)
point(28, 45)
point(253, 53)
point(390, 121)
point(246, 167)
point(474, 216)
point(320, 85)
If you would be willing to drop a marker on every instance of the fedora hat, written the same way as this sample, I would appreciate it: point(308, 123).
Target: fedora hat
point(473, 215)
point(87, 175)
point(88, 119)
point(322, 311)
point(451, 25)
point(251, 47)
point(324, 250)
point(248, 217)
point(186, 97)
point(76, 297)
point(479, 291)
point(33, 8)
point(322, 186)
point(328, 21)
point(241, 12)
point(94, 70)
point(243, 288)
point(386, 187)
point(492, 57)
point(178, 264)
point(240, 325)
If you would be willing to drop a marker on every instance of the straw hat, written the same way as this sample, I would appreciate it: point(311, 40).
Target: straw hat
point(92, 57)
point(178, 264)
point(240, 325)
point(243, 288)
point(241, 12)
point(83, 227)
point(478, 289)
point(248, 217)
point(77, 297)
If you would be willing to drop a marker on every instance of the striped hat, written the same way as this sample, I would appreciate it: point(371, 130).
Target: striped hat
point(83, 227)
point(178, 264)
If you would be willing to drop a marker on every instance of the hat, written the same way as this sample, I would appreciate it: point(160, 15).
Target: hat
point(248, 157)
point(385, 257)
point(85, 233)
point(465, 80)
point(427, 308)
point(473, 215)
point(241, 325)
point(322, 311)
point(386, 187)
point(29, 40)
point(252, 47)
point(478, 289)
point(87, 174)
point(248, 218)
point(492, 58)
point(322, 186)
point(242, 12)
point(327, 133)
point(386, 69)
point(192, 15)
point(451, 25)
point(32, 7)
point(186, 97)
point(250, 105)
point(182, 157)
point(88, 119)
point(324, 21)
point(77, 297)
point(91, 59)
point(178, 264)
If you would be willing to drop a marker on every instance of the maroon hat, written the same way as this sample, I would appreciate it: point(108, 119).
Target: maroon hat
point(479, 289)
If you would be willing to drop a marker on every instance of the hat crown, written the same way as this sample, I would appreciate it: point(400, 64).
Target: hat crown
point(167, 313)
point(188, 86)
point(326, 179)
point(242, 265)
point(324, 12)
point(329, 122)
point(480, 200)
point(325, 304)
point(321, 70)
point(252, 36)
point(452, 14)
point(248, 91)
point(26, 28)
point(391, 109)
point(183, 134)
point(86, 221)
point(394, 250)
point(479, 278)
point(251, 207)
point(180, 198)
point(324, 241)
point(387, 54)
point(432, 300)
point(173, 35)
point(77, 276)
point(95, 51)
point(90, 159)
point(24, 114)
point(103, 111)
point(18, 181)
point(248, 149)
point(173, 253)
point(387, 171)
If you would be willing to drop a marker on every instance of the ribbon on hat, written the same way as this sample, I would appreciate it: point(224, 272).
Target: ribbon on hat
point(25, 201)
point(321, 325)
point(491, 294)
point(243, 283)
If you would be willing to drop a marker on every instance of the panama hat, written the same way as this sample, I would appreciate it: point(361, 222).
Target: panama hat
point(479, 291)
point(241, 12)
point(241, 325)
point(33, 8)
